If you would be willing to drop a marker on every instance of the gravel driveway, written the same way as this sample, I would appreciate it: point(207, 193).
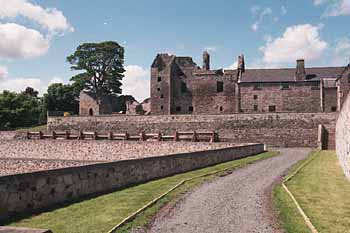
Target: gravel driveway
point(239, 202)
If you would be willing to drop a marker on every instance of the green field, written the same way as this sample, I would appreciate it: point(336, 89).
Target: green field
point(322, 192)
point(103, 213)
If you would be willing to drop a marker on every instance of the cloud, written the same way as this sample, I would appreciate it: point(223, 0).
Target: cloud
point(341, 52)
point(334, 7)
point(212, 49)
point(136, 82)
point(299, 41)
point(50, 18)
point(283, 10)
point(3, 72)
point(18, 41)
point(260, 15)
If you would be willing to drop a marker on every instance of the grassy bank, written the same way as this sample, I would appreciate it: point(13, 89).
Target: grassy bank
point(102, 213)
point(322, 192)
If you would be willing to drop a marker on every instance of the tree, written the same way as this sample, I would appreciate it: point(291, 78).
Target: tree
point(102, 65)
point(61, 97)
point(30, 91)
point(19, 109)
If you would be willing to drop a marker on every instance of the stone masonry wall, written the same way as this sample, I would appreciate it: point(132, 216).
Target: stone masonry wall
point(276, 129)
point(343, 137)
point(25, 193)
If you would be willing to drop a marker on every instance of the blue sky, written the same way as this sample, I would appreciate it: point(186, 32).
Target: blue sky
point(40, 34)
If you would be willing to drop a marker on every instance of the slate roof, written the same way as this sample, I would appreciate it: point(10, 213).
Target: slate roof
point(288, 74)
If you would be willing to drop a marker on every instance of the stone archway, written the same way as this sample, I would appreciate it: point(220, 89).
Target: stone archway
point(91, 112)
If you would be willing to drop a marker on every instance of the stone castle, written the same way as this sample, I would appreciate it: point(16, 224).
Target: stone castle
point(179, 86)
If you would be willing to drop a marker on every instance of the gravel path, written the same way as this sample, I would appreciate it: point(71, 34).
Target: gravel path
point(239, 202)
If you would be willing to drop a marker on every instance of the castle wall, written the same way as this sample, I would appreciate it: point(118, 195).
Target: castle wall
point(330, 99)
point(25, 193)
point(299, 97)
point(86, 103)
point(276, 129)
point(343, 137)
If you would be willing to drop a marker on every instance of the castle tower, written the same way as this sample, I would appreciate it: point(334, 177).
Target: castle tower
point(206, 61)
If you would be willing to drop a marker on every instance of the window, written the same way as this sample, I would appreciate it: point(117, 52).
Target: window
point(348, 78)
point(255, 108)
point(255, 97)
point(190, 109)
point(178, 109)
point(161, 107)
point(334, 109)
point(272, 108)
point(158, 88)
point(221, 109)
point(257, 87)
point(285, 86)
point(159, 79)
point(219, 86)
point(162, 96)
point(91, 112)
point(183, 87)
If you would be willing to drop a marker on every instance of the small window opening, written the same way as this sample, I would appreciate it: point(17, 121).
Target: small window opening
point(255, 97)
point(219, 86)
point(334, 109)
point(285, 86)
point(221, 109)
point(158, 88)
point(161, 107)
point(91, 112)
point(183, 87)
point(255, 108)
point(190, 109)
point(348, 78)
point(178, 109)
point(159, 79)
point(162, 96)
point(272, 108)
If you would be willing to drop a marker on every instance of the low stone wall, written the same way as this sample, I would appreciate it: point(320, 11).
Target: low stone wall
point(25, 193)
point(343, 137)
point(276, 129)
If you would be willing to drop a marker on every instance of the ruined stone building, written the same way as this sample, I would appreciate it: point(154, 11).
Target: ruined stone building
point(179, 86)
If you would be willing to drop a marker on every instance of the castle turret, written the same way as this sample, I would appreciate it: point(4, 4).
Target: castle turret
point(300, 73)
point(206, 61)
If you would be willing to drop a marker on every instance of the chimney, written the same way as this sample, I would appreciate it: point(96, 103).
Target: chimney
point(240, 67)
point(206, 61)
point(300, 73)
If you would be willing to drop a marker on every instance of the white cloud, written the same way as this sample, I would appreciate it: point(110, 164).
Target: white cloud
point(18, 41)
point(334, 7)
point(341, 52)
point(50, 18)
point(211, 49)
point(136, 82)
point(283, 10)
point(3, 72)
point(233, 66)
point(300, 41)
point(260, 15)
point(55, 80)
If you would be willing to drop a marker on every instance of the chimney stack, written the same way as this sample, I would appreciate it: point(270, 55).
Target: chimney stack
point(206, 61)
point(300, 73)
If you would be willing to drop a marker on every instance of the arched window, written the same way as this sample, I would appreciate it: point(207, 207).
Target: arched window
point(91, 112)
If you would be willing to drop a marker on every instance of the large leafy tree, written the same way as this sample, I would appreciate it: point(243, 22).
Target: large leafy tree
point(102, 65)
point(61, 97)
point(19, 109)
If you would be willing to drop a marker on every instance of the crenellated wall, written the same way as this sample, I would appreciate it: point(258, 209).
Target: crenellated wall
point(276, 129)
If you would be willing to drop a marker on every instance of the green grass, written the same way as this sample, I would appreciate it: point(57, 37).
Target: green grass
point(103, 213)
point(34, 128)
point(322, 192)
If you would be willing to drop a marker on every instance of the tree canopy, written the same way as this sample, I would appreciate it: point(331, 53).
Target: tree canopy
point(102, 65)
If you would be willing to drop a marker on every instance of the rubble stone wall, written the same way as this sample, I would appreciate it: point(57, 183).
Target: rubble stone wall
point(25, 193)
point(275, 129)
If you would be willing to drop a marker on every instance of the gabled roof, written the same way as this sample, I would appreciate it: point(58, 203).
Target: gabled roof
point(288, 74)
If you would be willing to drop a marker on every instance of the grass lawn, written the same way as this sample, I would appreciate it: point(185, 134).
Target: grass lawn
point(34, 128)
point(103, 213)
point(322, 192)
